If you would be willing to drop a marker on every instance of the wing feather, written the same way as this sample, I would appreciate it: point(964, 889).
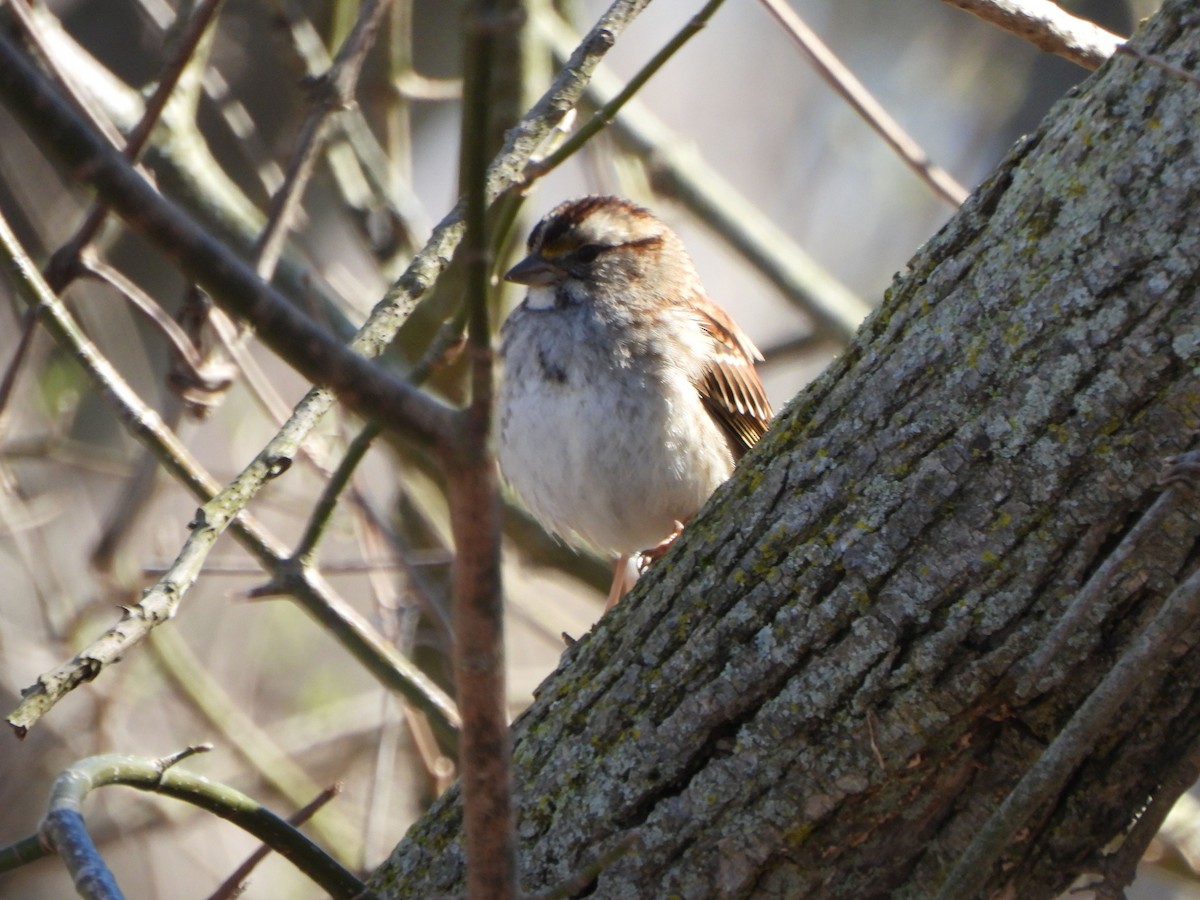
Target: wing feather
point(729, 384)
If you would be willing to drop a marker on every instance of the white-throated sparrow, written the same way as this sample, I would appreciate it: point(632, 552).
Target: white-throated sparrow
point(627, 393)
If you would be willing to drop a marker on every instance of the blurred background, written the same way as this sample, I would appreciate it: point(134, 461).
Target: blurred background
point(86, 521)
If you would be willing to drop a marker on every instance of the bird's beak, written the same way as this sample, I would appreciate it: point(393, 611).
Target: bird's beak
point(533, 270)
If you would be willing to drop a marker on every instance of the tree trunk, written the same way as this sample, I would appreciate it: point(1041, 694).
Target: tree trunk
point(847, 663)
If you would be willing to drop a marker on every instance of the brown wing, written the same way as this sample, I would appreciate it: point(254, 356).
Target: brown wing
point(729, 385)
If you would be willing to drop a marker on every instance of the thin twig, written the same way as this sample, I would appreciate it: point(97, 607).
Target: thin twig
point(61, 265)
point(854, 92)
point(336, 91)
point(1141, 667)
point(229, 109)
point(196, 686)
point(430, 593)
point(609, 110)
point(680, 172)
point(1160, 63)
point(20, 354)
point(381, 784)
point(1048, 27)
point(233, 885)
point(525, 138)
point(134, 497)
point(387, 174)
point(376, 654)
point(319, 518)
point(253, 377)
point(209, 375)
point(340, 477)
point(64, 829)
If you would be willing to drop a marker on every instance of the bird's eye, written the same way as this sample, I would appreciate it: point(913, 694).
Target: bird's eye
point(588, 252)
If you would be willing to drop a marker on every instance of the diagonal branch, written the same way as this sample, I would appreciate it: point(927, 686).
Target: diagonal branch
point(234, 885)
point(603, 116)
point(854, 92)
point(1049, 27)
point(336, 91)
point(59, 269)
point(373, 181)
point(1142, 667)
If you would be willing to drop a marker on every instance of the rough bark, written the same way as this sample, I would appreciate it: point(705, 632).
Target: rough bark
point(824, 689)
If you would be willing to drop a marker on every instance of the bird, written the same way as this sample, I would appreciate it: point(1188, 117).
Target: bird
point(627, 394)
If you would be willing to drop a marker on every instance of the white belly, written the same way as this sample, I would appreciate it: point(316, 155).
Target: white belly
point(616, 462)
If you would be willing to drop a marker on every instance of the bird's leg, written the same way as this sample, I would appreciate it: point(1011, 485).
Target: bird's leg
point(624, 577)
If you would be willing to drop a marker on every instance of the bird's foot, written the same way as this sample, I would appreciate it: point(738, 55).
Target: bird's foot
point(659, 550)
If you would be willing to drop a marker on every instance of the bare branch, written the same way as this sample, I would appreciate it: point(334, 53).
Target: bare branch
point(842, 80)
point(232, 886)
point(336, 91)
point(63, 828)
point(1140, 668)
point(61, 265)
point(208, 375)
point(389, 193)
point(609, 110)
point(1049, 27)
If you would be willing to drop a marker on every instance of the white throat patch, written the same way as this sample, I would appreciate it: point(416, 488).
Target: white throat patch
point(541, 297)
